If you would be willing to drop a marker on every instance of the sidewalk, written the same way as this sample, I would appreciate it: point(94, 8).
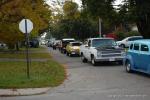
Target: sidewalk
point(23, 92)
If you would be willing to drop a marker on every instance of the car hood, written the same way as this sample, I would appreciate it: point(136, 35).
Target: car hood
point(108, 48)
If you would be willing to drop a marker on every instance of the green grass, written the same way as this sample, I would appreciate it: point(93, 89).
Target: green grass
point(23, 55)
point(42, 74)
point(34, 53)
point(33, 49)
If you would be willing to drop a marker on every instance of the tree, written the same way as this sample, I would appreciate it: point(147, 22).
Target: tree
point(13, 11)
point(103, 9)
point(70, 10)
point(140, 13)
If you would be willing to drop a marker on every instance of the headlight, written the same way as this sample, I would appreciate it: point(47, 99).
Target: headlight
point(98, 54)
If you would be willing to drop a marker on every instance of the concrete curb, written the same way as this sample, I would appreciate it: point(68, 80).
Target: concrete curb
point(23, 92)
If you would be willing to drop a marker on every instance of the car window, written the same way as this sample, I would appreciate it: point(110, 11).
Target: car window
point(136, 46)
point(103, 42)
point(144, 48)
point(76, 44)
point(131, 46)
point(134, 38)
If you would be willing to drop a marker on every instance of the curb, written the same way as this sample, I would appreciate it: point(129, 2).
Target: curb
point(23, 92)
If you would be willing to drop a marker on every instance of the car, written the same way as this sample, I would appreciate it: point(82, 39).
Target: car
point(73, 48)
point(138, 56)
point(34, 43)
point(101, 50)
point(2, 45)
point(64, 43)
point(125, 42)
point(55, 44)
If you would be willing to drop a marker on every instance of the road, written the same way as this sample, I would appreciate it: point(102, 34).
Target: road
point(107, 81)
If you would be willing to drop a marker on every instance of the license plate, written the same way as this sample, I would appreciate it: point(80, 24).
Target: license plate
point(111, 59)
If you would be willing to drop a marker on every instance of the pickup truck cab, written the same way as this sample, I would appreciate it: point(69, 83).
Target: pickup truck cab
point(101, 49)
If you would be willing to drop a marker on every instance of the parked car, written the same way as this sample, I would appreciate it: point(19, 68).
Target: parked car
point(101, 49)
point(2, 45)
point(55, 44)
point(138, 56)
point(73, 48)
point(64, 43)
point(34, 43)
point(125, 42)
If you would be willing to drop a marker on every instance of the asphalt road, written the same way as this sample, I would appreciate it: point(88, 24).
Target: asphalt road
point(107, 81)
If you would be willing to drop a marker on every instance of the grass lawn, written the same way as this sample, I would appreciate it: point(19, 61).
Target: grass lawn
point(22, 53)
point(42, 74)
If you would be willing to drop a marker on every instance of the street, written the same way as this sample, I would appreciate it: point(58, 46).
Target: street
point(108, 81)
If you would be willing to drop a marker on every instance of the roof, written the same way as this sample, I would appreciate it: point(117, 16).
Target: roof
point(99, 38)
point(145, 41)
point(68, 39)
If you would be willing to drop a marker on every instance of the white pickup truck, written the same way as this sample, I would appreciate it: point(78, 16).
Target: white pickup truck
point(101, 49)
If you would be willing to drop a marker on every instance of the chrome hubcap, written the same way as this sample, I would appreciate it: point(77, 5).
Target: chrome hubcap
point(93, 62)
point(128, 67)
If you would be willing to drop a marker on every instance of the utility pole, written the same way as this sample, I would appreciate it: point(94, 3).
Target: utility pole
point(100, 27)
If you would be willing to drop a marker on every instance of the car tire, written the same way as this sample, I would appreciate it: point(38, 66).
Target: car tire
point(67, 54)
point(122, 45)
point(84, 60)
point(128, 67)
point(94, 63)
point(70, 55)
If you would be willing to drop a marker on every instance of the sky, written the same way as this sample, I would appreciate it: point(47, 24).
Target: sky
point(53, 3)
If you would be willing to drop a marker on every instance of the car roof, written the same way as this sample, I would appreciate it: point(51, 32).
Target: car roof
point(68, 39)
point(99, 38)
point(144, 41)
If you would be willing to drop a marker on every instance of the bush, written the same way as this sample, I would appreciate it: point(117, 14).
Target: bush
point(132, 33)
point(122, 35)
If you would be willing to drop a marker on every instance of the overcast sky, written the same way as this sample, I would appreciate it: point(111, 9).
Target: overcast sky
point(79, 2)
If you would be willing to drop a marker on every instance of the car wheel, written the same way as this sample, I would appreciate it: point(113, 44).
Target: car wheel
point(94, 63)
point(128, 67)
point(70, 55)
point(67, 54)
point(122, 45)
point(84, 60)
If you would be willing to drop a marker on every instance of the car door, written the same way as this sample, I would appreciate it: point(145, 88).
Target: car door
point(135, 55)
point(88, 52)
point(84, 48)
point(144, 57)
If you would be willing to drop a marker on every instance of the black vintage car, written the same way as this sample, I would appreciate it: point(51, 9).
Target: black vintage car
point(64, 43)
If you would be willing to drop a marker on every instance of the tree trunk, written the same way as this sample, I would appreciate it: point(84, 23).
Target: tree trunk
point(17, 46)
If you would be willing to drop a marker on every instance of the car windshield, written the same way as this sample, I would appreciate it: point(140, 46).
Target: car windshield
point(135, 38)
point(76, 44)
point(103, 42)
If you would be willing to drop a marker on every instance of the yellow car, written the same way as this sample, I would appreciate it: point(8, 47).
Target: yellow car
point(73, 48)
